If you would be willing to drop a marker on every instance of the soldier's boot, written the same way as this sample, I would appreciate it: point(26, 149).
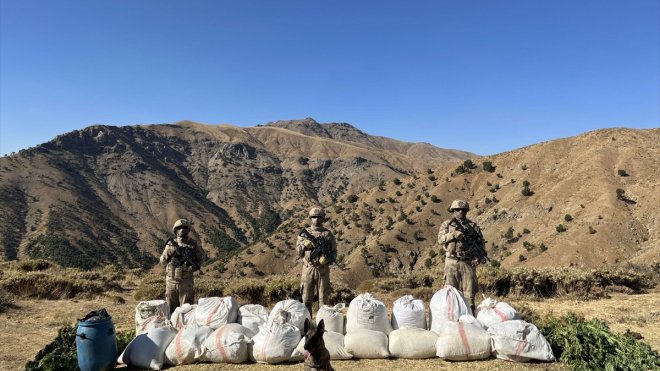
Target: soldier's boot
point(308, 304)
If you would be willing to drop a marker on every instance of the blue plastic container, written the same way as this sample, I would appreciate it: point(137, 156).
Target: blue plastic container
point(96, 345)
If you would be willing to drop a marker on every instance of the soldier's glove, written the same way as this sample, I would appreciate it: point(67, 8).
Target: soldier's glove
point(308, 244)
point(323, 260)
point(458, 235)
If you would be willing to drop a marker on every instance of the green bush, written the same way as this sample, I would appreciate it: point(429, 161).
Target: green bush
point(32, 265)
point(58, 355)
point(488, 166)
point(560, 228)
point(568, 217)
point(352, 198)
point(590, 345)
point(150, 288)
point(622, 172)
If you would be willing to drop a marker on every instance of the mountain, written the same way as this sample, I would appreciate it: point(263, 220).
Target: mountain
point(584, 201)
point(109, 194)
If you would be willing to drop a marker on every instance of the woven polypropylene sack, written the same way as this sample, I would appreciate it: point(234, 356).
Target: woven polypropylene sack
point(408, 312)
point(447, 304)
point(412, 343)
point(459, 341)
point(519, 341)
point(228, 344)
point(362, 343)
point(147, 350)
point(367, 313)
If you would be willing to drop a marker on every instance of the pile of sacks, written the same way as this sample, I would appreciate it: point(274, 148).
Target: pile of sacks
point(216, 330)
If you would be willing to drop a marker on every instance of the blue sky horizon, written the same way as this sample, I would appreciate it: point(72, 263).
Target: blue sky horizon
point(480, 76)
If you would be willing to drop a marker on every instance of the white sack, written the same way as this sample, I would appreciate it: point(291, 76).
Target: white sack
point(468, 318)
point(153, 322)
point(334, 343)
point(492, 311)
point(519, 341)
point(150, 308)
point(215, 312)
point(408, 312)
point(147, 350)
point(363, 343)
point(447, 304)
point(183, 315)
point(252, 316)
point(290, 311)
point(332, 316)
point(367, 313)
point(275, 342)
point(228, 344)
point(462, 342)
point(186, 348)
point(412, 343)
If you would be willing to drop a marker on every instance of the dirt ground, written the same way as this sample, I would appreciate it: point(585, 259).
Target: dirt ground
point(34, 323)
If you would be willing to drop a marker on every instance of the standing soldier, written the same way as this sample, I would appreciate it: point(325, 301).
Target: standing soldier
point(318, 248)
point(183, 257)
point(463, 243)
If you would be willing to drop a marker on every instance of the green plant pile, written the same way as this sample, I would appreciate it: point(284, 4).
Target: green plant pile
point(60, 354)
point(564, 281)
point(589, 345)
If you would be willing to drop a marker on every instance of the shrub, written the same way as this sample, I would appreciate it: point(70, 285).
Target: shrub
point(568, 217)
point(432, 178)
point(60, 354)
point(526, 191)
point(488, 166)
point(39, 285)
point(622, 172)
point(591, 230)
point(352, 198)
point(435, 199)
point(560, 228)
point(543, 247)
point(6, 300)
point(526, 231)
point(590, 345)
point(396, 181)
point(521, 258)
point(32, 265)
point(428, 263)
point(150, 288)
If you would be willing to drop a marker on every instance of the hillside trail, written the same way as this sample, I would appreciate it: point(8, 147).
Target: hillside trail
point(32, 324)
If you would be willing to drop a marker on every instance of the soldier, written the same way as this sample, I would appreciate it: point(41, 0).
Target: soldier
point(183, 257)
point(463, 243)
point(318, 248)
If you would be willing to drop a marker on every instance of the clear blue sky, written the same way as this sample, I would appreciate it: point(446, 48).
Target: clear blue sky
point(482, 76)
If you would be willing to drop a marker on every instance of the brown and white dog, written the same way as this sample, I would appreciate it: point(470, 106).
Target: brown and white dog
point(317, 356)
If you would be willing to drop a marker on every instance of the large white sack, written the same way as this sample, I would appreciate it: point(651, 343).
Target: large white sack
point(275, 342)
point(519, 341)
point(215, 312)
point(412, 343)
point(252, 316)
point(332, 316)
point(228, 344)
point(468, 318)
point(492, 311)
point(363, 343)
point(447, 304)
point(459, 341)
point(183, 315)
point(367, 313)
point(147, 350)
point(186, 348)
point(153, 322)
point(408, 312)
point(291, 311)
point(334, 343)
point(147, 309)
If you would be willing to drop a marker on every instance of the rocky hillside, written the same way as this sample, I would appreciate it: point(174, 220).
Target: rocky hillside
point(584, 201)
point(109, 194)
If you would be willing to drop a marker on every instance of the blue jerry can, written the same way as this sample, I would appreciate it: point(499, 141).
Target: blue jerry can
point(96, 345)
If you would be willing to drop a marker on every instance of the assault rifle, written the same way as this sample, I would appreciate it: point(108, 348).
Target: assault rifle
point(473, 242)
point(319, 248)
point(184, 257)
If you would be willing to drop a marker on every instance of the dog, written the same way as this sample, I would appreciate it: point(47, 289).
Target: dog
point(317, 356)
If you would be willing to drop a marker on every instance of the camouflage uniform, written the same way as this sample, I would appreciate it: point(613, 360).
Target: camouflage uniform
point(460, 264)
point(179, 288)
point(316, 272)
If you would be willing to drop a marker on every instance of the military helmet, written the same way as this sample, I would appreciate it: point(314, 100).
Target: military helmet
point(459, 205)
point(316, 212)
point(181, 223)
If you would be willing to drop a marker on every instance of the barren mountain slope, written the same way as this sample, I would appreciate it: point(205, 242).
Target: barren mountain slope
point(574, 182)
point(109, 194)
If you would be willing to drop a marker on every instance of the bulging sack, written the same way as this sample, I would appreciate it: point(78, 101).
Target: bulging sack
point(148, 309)
point(459, 341)
point(275, 342)
point(228, 344)
point(519, 341)
point(448, 304)
point(147, 350)
point(251, 316)
point(215, 312)
point(363, 343)
point(333, 317)
point(290, 311)
point(412, 343)
point(334, 343)
point(367, 313)
point(183, 315)
point(408, 312)
point(492, 311)
point(186, 348)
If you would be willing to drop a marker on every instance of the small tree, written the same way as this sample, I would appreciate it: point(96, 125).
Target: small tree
point(521, 258)
point(396, 181)
point(352, 198)
point(542, 247)
point(428, 262)
point(488, 166)
point(560, 228)
point(568, 217)
point(591, 230)
point(622, 172)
